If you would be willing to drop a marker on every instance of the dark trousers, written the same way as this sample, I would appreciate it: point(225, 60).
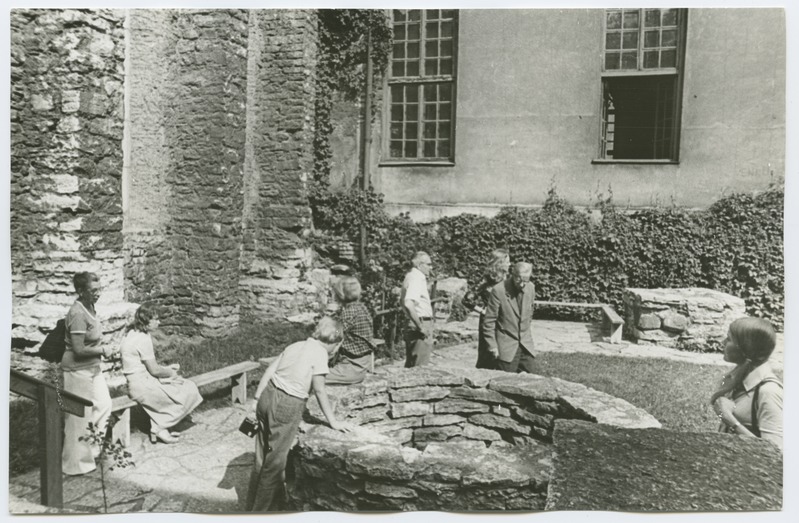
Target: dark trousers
point(418, 350)
point(279, 415)
point(522, 361)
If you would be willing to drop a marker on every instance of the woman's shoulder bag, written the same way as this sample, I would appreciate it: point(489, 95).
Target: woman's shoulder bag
point(53, 347)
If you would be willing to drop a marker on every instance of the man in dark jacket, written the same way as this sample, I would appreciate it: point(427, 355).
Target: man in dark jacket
point(507, 326)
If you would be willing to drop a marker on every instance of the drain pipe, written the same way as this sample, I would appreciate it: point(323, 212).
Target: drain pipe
point(366, 137)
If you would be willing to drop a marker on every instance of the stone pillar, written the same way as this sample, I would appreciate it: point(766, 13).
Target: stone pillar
point(187, 96)
point(66, 163)
point(277, 274)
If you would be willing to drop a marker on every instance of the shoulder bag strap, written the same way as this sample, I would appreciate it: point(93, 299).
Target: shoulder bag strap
point(755, 425)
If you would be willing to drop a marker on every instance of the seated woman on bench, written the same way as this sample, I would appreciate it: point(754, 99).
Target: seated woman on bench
point(165, 397)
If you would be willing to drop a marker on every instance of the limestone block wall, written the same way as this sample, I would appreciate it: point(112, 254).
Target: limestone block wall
point(689, 318)
point(67, 74)
point(430, 439)
point(187, 87)
point(276, 265)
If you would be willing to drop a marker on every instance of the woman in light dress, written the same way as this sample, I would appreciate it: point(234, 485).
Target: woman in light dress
point(166, 397)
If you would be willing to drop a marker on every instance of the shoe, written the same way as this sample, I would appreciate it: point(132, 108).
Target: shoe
point(164, 437)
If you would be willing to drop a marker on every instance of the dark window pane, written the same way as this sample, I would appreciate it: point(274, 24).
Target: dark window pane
point(396, 94)
point(413, 50)
point(413, 31)
point(413, 68)
point(432, 14)
point(398, 69)
point(652, 39)
point(444, 112)
point(431, 67)
point(670, 38)
point(396, 149)
point(612, 61)
point(398, 15)
point(396, 130)
point(629, 60)
point(613, 41)
point(410, 149)
point(431, 49)
point(446, 29)
point(429, 149)
point(412, 112)
point(432, 29)
point(631, 20)
point(430, 93)
point(443, 149)
point(445, 48)
point(399, 32)
point(630, 40)
point(668, 58)
point(396, 112)
point(443, 130)
point(411, 94)
point(447, 13)
point(414, 14)
point(614, 20)
point(446, 66)
point(670, 16)
point(652, 18)
point(650, 59)
point(411, 130)
point(430, 130)
point(429, 112)
point(445, 93)
point(399, 51)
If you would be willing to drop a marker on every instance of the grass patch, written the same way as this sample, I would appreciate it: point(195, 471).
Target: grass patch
point(674, 392)
point(23, 438)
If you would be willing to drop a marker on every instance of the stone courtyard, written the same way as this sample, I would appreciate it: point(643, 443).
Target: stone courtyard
point(209, 470)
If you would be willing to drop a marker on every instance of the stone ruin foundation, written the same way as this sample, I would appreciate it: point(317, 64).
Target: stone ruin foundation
point(691, 318)
point(430, 439)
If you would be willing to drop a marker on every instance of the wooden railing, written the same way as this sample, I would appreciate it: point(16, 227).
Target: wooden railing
point(51, 426)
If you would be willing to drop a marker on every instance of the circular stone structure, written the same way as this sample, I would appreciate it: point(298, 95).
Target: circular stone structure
point(433, 439)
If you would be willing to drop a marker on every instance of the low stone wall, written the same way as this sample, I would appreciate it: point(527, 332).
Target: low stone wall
point(690, 318)
point(431, 439)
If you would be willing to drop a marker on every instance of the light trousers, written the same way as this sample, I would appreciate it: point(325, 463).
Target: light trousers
point(78, 456)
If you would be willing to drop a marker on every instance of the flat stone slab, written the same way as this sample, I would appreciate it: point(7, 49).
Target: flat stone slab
point(599, 467)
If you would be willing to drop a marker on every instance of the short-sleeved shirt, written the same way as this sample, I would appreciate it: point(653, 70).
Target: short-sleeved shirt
point(298, 364)
point(414, 288)
point(136, 348)
point(769, 403)
point(81, 321)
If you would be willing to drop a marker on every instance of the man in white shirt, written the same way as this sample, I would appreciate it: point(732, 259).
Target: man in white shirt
point(416, 301)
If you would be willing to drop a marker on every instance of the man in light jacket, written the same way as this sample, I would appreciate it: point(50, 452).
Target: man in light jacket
point(416, 301)
point(507, 325)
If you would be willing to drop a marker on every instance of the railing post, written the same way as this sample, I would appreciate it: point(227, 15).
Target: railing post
point(51, 424)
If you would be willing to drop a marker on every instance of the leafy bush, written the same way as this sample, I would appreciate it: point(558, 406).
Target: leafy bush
point(735, 246)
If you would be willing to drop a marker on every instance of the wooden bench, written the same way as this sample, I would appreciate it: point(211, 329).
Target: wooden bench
point(237, 374)
point(612, 322)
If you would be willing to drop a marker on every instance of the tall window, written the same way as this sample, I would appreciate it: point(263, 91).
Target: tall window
point(641, 83)
point(421, 85)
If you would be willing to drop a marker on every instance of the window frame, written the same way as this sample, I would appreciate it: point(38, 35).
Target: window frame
point(678, 72)
point(421, 80)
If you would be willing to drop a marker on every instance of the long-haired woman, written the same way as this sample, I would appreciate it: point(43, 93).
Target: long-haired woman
point(749, 398)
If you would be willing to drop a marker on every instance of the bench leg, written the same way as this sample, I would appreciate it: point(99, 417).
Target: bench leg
point(239, 388)
point(615, 332)
point(121, 430)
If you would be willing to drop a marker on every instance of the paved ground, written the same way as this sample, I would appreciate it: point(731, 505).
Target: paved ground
point(209, 469)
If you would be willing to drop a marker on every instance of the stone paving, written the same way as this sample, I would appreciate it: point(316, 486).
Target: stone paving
point(208, 470)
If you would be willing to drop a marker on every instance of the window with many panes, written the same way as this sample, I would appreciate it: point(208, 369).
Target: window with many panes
point(641, 83)
point(421, 85)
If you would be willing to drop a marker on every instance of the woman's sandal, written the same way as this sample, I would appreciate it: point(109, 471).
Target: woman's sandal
point(164, 437)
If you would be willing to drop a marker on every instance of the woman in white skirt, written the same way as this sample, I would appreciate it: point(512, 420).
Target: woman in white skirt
point(165, 396)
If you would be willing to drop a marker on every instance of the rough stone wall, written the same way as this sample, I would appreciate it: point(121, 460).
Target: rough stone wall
point(187, 81)
point(66, 163)
point(691, 318)
point(276, 264)
point(431, 439)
